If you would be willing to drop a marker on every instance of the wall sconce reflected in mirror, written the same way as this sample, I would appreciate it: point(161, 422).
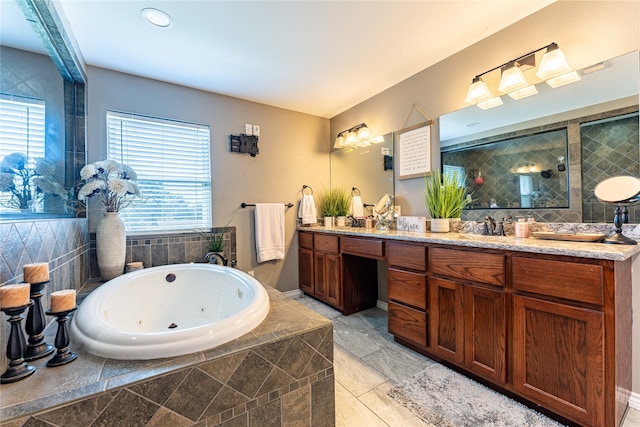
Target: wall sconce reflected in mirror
point(357, 136)
point(553, 69)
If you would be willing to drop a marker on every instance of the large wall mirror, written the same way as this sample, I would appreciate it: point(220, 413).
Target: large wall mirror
point(369, 169)
point(42, 134)
point(543, 155)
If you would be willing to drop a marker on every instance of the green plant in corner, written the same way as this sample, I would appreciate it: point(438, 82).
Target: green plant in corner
point(444, 197)
point(215, 238)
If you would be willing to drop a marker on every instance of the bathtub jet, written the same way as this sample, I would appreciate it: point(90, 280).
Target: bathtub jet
point(205, 305)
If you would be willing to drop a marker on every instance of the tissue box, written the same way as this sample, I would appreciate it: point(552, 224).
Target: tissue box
point(412, 223)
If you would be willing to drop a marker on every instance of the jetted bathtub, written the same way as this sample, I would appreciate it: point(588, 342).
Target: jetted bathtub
point(168, 311)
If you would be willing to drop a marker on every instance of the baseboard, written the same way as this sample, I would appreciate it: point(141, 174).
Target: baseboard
point(382, 305)
point(634, 401)
point(296, 293)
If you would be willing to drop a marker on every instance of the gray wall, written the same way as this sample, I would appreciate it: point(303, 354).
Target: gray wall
point(587, 31)
point(293, 152)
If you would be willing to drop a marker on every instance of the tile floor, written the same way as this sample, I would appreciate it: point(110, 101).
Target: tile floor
point(368, 362)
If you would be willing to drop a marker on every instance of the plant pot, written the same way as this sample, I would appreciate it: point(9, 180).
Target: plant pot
point(341, 221)
point(111, 245)
point(328, 221)
point(439, 225)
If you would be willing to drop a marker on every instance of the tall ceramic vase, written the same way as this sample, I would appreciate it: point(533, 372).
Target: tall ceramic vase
point(111, 245)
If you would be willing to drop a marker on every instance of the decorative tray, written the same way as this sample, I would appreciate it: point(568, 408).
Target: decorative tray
point(585, 237)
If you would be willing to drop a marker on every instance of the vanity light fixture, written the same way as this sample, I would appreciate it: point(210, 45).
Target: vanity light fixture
point(512, 78)
point(156, 17)
point(554, 69)
point(357, 136)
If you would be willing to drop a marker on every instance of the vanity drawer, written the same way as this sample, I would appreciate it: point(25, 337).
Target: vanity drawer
point(324, 243)
point(408, 288)
point(467, 265)
point(305, 240)
point(408, 323)
point(413, 257)
point(571, 280)
point(367, 247)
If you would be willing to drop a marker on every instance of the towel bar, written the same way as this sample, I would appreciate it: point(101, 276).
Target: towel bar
point(244, 205)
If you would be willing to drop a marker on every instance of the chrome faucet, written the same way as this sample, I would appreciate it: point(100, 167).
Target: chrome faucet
point(217, 255)
point(500, 228)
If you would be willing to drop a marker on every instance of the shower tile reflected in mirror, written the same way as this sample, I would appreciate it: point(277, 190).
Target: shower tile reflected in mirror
point(609, 148)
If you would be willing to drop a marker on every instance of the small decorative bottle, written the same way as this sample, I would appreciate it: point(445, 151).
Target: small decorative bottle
point(522, 228)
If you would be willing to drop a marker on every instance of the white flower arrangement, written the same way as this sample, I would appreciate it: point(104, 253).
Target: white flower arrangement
point(26, 185)
point(110, 182)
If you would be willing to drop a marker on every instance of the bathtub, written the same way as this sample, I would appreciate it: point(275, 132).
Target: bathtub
point(168, 311)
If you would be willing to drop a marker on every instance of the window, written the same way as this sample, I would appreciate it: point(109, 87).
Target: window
point(21, 131)
point(172, 161)
point(457, 171)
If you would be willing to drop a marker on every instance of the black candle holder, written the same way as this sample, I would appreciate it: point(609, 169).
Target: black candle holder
point(37, 348)
point(63, 355)
point(18, 368)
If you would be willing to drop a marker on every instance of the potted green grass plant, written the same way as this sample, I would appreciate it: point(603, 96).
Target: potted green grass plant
point(342, 204)
point(327, 207)
point(445, 198)
point(214, 240)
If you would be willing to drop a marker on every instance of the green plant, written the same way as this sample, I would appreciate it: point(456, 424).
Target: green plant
point(334, 202)
point(342, 201)
point(215, 238)
point(444, 197)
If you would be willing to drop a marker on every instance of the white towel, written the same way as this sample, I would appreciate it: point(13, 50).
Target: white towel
point(269, 231)
point(307, 210)
point(357, 208)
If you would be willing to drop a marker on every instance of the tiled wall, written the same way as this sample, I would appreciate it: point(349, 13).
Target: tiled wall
point(609, 148)
point(63, 243)
point(163, 249)
point(603, 143)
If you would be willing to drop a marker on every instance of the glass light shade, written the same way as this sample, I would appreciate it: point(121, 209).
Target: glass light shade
point(478, 92)
point(364, 133)
point(377, 139)
point(512, 79)
point(490, 103)
point(156, 17)
point(564, 79)
point(350, 139)
point(339, 142)
point(553, 64)
point(524, 92)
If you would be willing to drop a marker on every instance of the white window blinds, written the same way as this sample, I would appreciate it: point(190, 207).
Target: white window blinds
point(21, 131)
point(172, 161)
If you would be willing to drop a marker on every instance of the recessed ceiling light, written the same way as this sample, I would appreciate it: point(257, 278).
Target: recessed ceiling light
point(156, 17)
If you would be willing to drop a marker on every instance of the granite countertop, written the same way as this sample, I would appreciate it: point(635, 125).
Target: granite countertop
point(90, 375)
point(510, 243)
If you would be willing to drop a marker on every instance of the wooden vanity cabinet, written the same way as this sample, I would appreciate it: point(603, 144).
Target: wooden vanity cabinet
point(340, 271)
point(468, 310)
point(305, 263)
point(407, 280)
point(565, 355)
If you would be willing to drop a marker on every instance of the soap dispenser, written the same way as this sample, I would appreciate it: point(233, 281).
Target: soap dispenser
point(522, 228)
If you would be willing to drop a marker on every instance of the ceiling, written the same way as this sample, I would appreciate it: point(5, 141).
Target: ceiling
point(315, 57)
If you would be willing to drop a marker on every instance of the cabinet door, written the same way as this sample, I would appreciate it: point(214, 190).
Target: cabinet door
point(447, 319)
point(327, 278)
point(485, 333)
point(305, 270)
point(559, 359)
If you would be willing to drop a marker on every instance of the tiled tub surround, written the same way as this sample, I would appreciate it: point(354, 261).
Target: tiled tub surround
point(281, 373)
point(163, 248)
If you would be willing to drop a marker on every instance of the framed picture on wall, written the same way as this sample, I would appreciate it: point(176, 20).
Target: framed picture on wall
point(414, 151)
